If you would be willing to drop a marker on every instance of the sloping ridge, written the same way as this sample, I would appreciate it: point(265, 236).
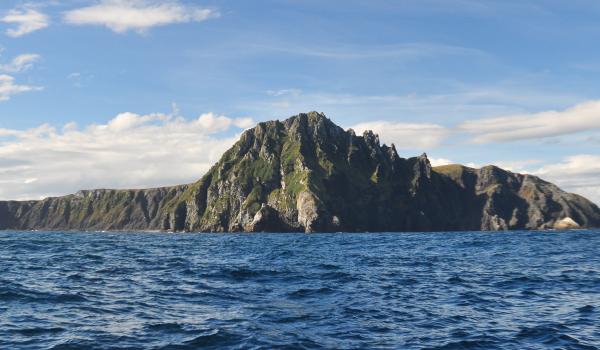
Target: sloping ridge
point(306, 174)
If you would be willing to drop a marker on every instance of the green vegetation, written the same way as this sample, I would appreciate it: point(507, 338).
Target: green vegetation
point(350, 183)
point(453, 170)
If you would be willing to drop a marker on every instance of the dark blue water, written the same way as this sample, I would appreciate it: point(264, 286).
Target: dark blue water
point(519, 290)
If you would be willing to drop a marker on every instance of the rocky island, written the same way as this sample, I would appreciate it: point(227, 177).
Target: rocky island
point(306, 174)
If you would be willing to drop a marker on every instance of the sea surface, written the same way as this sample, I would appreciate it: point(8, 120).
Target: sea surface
point(462, 290)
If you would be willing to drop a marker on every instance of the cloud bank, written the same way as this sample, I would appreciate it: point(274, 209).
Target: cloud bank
point(582, 117)
point(129, 151)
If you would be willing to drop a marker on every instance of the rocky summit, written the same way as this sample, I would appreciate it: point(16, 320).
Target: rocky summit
point(306, 174)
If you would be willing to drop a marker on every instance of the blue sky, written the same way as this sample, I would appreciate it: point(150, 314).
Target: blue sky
point(468, 81)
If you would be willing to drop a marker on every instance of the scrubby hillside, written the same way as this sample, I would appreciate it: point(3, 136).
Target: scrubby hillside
point(307, 174)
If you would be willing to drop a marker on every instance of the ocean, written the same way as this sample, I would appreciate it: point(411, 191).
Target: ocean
point(460, 290)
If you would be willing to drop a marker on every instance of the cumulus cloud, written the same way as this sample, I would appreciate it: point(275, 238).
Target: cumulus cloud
point(128, 151)
point(20, 63)
point(582, 117)
point(139, 15)
point(414, 136)
point(26, 19)
point(8, 87)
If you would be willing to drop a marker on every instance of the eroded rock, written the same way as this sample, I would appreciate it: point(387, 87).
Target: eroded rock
point(306, 174)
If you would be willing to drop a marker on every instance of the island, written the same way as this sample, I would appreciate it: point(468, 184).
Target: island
point(307, 174)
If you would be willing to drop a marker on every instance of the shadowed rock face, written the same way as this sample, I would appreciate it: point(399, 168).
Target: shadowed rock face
point(494, 199)
point(306, 174)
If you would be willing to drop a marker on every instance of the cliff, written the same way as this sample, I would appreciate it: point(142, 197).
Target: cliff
point(306, 174)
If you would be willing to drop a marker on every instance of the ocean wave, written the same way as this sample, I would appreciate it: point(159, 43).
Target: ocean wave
point(293, 291)
point(32, 296)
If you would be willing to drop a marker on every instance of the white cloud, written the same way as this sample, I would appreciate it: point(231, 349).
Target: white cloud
point(138, 15)
point(439, 161)
point(128, 151)
point(127, 121)
point(585, 164)
point(20, 63)
point(582, 117)
point(8, 87)
point(414, 136)
point(222, 123)
point(579, 174)
point(26, 19)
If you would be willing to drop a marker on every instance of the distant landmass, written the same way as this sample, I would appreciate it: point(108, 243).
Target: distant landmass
point(306, 174)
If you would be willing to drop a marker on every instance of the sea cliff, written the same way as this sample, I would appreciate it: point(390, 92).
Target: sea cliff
point(306, 174)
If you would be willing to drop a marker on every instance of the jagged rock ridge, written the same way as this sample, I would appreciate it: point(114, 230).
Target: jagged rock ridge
point(306, 174)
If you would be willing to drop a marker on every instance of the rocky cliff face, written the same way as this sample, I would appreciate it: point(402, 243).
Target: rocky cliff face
point(307, 174)
point(494, 199)
point(150, 209)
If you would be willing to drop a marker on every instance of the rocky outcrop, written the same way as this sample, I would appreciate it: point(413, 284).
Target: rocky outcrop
point(494, 199)
point(149, 209)
point(566, 224)
point(306, 174)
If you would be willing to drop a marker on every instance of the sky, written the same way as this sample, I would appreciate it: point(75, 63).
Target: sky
point(144, 93)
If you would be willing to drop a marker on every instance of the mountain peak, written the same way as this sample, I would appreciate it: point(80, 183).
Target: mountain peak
point(312, 122)
point(307, 174)
point(312, 117)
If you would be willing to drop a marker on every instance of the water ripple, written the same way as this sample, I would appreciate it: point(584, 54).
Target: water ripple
point(466, 290)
